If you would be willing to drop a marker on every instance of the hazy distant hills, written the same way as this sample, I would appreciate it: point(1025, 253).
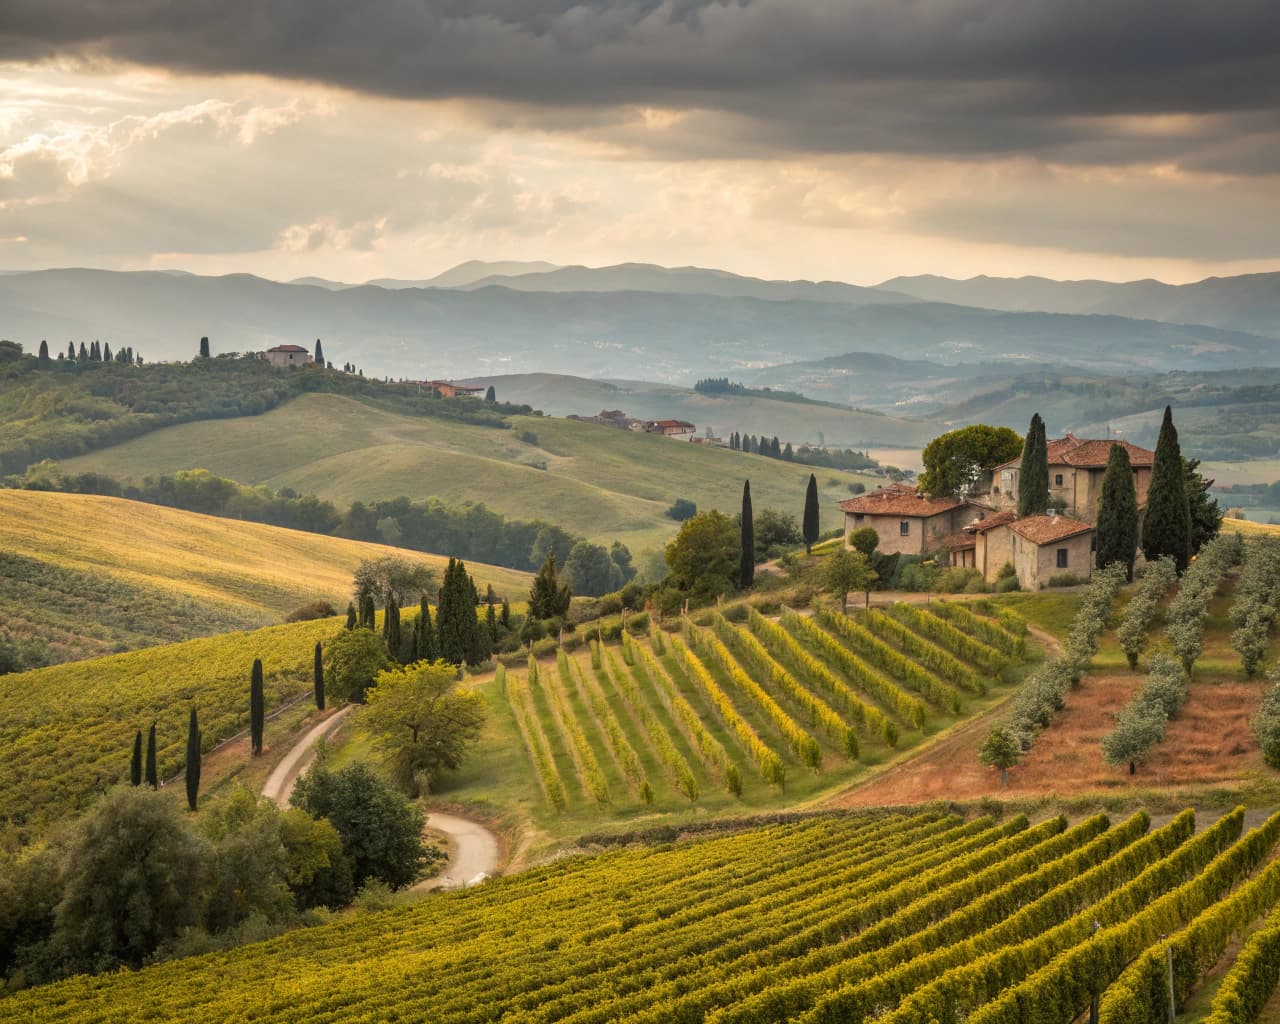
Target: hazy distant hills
point(1250, 302)
point(666, 336)
point(646, 277)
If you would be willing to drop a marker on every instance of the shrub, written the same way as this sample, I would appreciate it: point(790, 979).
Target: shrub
point(1007, 585)
point(1065, 579)
point(311, 610)
point(1266, 723)
point(682, 509)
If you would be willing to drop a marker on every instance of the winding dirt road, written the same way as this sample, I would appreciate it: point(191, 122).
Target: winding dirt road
point(474, 851)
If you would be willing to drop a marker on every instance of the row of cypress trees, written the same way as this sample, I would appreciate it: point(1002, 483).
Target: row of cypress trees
point(140, 771)
point(809, 529)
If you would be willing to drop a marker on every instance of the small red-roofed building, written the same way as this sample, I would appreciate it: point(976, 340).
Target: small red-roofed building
point(1041, 547)
point(288, 355)
point(907, 521)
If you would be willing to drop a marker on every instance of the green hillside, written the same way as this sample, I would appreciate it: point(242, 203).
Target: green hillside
point(85, 575)
point(870, 916)
point(67, 731)
point(807, 422)
point(597, 481)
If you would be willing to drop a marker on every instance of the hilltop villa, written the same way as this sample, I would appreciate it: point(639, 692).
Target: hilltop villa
point(288, 355)
point(1076, 468)
point(983, 532)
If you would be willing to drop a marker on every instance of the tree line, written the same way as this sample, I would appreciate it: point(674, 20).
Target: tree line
point(473, 532)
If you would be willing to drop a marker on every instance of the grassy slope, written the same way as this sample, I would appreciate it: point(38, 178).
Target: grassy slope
point(597, 481)
point(161, 574)
point(67, 731)
point(792, 421)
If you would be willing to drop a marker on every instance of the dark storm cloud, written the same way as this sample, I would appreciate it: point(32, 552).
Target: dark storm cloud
point(962, 77)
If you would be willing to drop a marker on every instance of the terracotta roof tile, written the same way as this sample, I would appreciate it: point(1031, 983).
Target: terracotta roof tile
point(958, 541)
point(1086, 454)
point(991, 522)
point(899, 501)
point(287, 348)
point(1041, 530)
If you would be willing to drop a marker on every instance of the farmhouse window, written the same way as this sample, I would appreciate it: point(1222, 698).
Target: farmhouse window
point(904, 528)
point(1062, 558)
point(1057, 479)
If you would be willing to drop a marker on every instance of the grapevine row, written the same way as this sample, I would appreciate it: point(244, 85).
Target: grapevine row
point(805, 746)
point(931, 655)
point(769, 763)
point(535, 741)
point(981, 654)
point(624, 753)
point(1011, 642)
point(777, 674)
point(584, 758)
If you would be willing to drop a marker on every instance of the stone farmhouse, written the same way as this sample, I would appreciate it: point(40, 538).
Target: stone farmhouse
point(983, 531)
point(288, 355)
point(1076, 469)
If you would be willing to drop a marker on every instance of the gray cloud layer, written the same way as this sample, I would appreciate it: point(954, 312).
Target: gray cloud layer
point(964, 77)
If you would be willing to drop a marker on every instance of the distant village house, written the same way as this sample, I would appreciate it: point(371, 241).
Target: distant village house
point(448, 389)
point(682, 430)
point(288, 355)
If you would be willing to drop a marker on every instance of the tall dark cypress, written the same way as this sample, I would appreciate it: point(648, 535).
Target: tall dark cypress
point(84, 353)
point(391, 627)
point(490, 395)
point(427, 647)
point(151, 774)
point(491, 623)
point(71, 351)
point(1166, 530)
point(810, 527)
point(747, 567)
point(317, 676)
point(135, 764)
point(351, 615)
point(1118, 513)
point(192, 776)
point(368, 612)
point(319, 356)
point(1033, 473)
point(505, 616)
point(44, 351)
point(204, 348)
point(257, 708)
point(106, 352)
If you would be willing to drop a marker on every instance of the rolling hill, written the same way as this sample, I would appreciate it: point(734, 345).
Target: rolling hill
point(791, 420)
point(91, 575)
point(596, 481)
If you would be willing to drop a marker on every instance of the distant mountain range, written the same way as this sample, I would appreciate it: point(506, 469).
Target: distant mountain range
point(1250, 302)
point(672, 336)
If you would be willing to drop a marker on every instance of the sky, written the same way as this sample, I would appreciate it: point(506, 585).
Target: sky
point(824, 139)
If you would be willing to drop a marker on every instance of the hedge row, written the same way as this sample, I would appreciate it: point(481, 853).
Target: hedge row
point(1253, 612)
point(1135, 623)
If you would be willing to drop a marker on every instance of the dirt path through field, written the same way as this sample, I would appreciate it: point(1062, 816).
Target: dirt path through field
point(280, 782)
point(473, 849)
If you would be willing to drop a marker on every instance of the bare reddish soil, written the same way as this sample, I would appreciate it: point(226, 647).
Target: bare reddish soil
point(1210, 742)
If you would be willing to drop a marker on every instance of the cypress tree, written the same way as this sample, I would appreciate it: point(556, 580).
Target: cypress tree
point(368, 612)
point(135, 764)
point(490, 395)
point(810, 527)
point(84, 353)
point(71, 351)
point(204, 348)
point(319, 356)
point(257, 708)
point(317, 674)
point(1033, 474)
point(106, 353)
point(747, 567)
point(44, 351)
point(450, 623)
point(427, 648)
point(491, 622)
point(1118, 513)
point(193, 761)
point(1166, 530)
point(351, 615)
point(505, 617)
point(151, 774)
point(391, 627)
